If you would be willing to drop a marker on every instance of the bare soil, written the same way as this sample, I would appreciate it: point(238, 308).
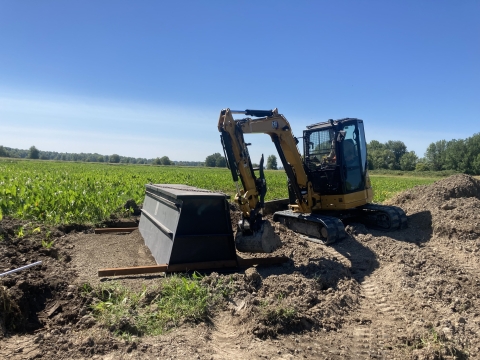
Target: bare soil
point(409, 294)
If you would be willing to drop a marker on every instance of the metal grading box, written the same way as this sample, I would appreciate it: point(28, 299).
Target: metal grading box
point(183, 224)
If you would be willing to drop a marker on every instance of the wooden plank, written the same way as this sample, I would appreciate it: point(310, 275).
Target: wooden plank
point(240, 262)
point(111, 230)
point(135, 270)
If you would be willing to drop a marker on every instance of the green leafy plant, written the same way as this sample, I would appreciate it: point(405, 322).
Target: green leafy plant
point(19, 232)
point(87, 193)
point(47, 244)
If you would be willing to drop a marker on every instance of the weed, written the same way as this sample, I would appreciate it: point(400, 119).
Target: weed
point(19, 232)
point(280, 314)
point(430, 338)
point(47, 244)
point(437, 345)
point(225, 287)
point(277, 311)
point(36, 230)
point(86, 288)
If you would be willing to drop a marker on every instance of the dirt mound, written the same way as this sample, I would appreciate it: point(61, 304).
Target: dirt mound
point(452, 203)
point(33, 297)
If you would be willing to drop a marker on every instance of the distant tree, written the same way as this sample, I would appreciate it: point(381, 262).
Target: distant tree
point(398, 148)
point(210, 161)
point(272, 162)
point(456, 157)
point(215, 160)
point(435, 155)
point(385, 156)
point(33, 153)
point(421, 165)
point(157, 161)
point(100, 158)
point(476, 165)
point(221, 162)
point(3, 152)
point(43, 156)
point(114, 158)
point(408, 161)
point(164, 160)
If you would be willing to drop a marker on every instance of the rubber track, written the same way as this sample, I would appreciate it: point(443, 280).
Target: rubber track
point(335, 228)
point(403, 217)
point(396, 219)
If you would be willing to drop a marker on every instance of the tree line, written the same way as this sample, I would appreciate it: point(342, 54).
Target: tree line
point(458, 155)
point(34, 153)
point(217, 160)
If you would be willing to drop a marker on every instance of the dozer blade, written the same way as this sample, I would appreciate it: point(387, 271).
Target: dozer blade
point(264, 240)
point(327, 229)
point(382, 217)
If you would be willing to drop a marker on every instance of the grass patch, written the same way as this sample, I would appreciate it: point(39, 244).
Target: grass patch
point(278, 311)
point(434, 345)
point(280, 315)
point(416, 174)
point(385, 187)
point(151, 311)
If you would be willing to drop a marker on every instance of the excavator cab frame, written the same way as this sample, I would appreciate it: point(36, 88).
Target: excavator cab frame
point(335, 156)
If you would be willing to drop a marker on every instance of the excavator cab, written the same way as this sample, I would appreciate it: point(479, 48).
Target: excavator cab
point(335, 156)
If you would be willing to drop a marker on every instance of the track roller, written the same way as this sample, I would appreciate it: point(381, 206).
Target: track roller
point(327, 229)
point(383, 217)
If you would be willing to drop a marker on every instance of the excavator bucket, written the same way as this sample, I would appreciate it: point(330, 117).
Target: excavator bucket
point(264, 240)
point(183, 224)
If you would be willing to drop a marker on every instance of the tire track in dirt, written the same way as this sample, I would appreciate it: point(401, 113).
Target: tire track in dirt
point(377, 315)
point(380, 320)
point(227, 340)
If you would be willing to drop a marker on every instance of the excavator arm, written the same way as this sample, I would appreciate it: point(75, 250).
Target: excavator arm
point(251, 196)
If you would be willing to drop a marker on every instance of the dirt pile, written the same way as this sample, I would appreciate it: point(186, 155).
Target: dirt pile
point(452, 203)
point(34, 297)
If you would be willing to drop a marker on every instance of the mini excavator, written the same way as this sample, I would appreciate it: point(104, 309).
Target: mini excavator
point(328, 186)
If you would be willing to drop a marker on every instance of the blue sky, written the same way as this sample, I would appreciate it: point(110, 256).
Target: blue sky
point(149, 78)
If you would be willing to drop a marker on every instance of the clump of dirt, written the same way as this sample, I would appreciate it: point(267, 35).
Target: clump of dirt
point(313, 291)
point(453, 204)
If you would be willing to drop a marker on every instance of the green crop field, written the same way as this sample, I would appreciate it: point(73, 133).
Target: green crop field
point(66, 192)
